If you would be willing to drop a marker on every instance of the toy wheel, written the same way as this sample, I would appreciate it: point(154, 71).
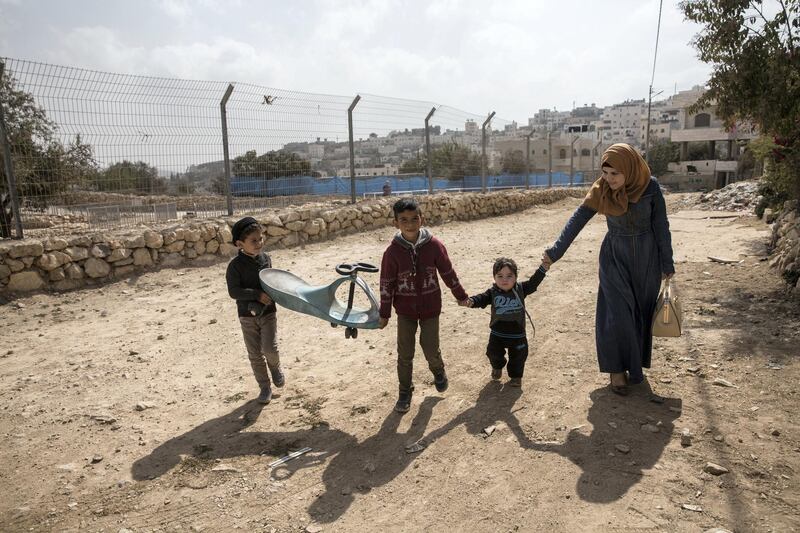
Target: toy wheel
point(354, 333)
point(334, 325)
point(347, 333)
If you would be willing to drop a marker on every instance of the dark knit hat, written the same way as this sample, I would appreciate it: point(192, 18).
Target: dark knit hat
point(238, 229)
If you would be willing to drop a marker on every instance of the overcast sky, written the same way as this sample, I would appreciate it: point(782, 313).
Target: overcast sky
point(513, 57)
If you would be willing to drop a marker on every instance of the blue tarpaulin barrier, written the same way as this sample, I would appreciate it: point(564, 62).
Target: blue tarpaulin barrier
point(294, 185)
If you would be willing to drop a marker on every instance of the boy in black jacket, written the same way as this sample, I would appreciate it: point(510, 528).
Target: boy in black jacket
point(256, 309)
point(507, 325)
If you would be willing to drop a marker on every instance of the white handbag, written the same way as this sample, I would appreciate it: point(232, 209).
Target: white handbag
point(668, 318)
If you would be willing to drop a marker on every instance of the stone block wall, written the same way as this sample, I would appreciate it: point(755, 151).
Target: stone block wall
point(785, 243)
point(65, 263)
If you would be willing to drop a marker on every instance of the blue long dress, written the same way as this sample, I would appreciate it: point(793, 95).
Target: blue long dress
point(635, 252)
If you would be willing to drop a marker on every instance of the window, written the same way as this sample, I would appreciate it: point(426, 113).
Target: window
point(562, 154)
point(703, 120)
point(533, 152)
point(586, 151)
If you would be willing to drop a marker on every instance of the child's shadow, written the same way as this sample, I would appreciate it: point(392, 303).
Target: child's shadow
point(628, 437)
point(494, 404)
point(360, 467)
point(604, 478)
point(224, 437)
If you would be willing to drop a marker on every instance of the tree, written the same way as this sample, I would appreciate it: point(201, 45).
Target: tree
point(756, 73)
point(450, 160)
point(130, 177)
point(663, 152)
point(270, 165)
point(513, 162)
point(43, 166)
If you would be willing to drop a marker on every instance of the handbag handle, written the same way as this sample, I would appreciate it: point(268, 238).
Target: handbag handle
point(667, 299)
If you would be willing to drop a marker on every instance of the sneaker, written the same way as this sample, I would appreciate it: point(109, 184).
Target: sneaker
point(266, 395)
point(440, 380)
point(497, 373)
point(515, 382)
point(403, 402)
point(278, 379)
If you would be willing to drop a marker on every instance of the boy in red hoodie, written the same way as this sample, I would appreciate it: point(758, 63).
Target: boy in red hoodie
point(409, 281)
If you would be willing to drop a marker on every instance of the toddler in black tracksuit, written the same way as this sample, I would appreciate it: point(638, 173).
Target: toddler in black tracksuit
point(507, 325)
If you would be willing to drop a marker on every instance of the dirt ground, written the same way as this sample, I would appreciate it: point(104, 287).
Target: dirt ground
point(131, 408)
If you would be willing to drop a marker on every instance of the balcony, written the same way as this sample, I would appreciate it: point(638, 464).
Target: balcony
point(711, 134)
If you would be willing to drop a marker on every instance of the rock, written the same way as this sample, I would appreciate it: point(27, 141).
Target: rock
point(133, 241)
point(96, 459)
point(15, 265)
point(222, 467)
point(141, 406)
point(313, 528)
point(776, 432)
point(100, 250)
point(119, 254)
point(25, 248)
point(621, 448)
point(77, 253)
point(693, 508)
point(142, 257)
point(73, 271)
point(5, 271)
point(102, 418)
point(171, 260)
point(716, 530)
point(686, 438)
point(487, 431)
point(96, 268)
point(25, 281)
point(55, 244)
point(715, 469)
point(722, 382)
point(153, 239)
point(650, 427)
point(53, 260)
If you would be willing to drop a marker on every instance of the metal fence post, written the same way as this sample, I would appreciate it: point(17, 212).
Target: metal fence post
point(571, 161)
point(428, 150)
point(484, 162)
point(528, 159)
point(352, 149)
point(9, 166)
point(549, 159)
point(594, 152)
point(225, 152)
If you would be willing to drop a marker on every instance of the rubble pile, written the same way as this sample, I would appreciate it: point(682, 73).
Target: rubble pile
point(738, 196)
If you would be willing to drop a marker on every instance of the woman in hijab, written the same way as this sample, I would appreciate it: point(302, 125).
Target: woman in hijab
point(635, 256)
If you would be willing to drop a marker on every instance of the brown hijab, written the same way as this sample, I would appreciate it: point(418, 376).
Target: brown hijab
point(627, 160)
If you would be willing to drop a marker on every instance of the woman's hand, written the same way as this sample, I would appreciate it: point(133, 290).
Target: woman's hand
point(546, 261)
point(465, 303)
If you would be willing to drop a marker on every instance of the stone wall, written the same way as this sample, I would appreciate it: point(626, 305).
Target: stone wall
point(64, 263)
point(785, 243)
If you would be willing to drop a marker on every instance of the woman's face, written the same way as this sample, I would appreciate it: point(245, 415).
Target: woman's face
point(613, 177)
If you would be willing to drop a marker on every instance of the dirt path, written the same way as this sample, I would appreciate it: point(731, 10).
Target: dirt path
point(76, 453)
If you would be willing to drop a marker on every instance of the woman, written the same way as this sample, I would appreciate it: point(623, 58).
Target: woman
point(635, 256)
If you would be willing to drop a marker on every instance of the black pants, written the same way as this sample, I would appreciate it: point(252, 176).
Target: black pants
point(517, 354)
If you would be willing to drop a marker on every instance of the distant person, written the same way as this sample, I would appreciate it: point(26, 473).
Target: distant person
point(507, 323)
point(256, 309)
point(387, 188)
point(635, 256)
point(409, 282)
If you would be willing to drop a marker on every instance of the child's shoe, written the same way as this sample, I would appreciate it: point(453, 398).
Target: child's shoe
point(515, 382)
point(497, 373)
point(440, 380)
point(404, 401)
point(266, 395)
point(278, 379)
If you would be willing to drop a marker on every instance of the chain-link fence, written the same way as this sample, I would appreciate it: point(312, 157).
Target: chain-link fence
point(85, 149)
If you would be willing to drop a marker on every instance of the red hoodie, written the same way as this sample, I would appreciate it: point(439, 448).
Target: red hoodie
point(409, 281)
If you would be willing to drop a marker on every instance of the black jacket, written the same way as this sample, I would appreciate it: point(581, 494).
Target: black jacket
point(243, 283)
